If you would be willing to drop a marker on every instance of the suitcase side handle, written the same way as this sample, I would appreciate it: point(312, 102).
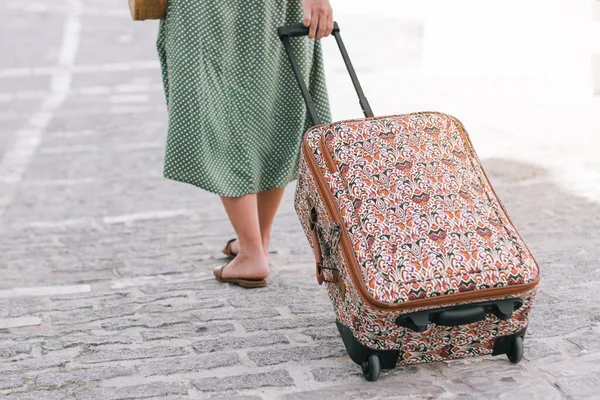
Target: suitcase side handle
point(459, 315)
point(285, 32)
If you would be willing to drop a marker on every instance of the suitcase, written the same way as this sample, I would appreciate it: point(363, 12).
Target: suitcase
point(418, 254)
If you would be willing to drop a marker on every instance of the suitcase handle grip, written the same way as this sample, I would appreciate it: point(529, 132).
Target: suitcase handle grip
point(298, 30)
point(285, 32)
point(459, 315)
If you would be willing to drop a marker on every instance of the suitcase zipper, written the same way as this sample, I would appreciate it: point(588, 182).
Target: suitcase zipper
point(352, 263)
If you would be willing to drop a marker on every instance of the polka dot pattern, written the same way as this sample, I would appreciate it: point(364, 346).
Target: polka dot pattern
point(236, 114)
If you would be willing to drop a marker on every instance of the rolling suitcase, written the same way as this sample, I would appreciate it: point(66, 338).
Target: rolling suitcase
point(419, 256)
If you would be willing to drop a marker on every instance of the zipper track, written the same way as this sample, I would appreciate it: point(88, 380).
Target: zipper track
point(353, 267)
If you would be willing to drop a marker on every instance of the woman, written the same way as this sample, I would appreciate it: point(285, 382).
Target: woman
point(236, 115)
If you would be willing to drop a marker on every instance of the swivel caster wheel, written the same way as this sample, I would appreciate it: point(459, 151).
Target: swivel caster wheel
point(515, 352)
point(371, 368)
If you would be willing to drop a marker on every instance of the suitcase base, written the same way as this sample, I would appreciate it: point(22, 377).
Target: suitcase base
point(372, 361)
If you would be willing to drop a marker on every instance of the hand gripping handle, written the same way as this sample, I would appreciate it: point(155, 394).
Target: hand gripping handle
point(285, 32)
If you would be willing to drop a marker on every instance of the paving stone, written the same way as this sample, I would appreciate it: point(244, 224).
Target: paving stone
point(580, 387)
point(258, 299)
point(187, 332)
point(329, 332)
point(39, 394)
point(573, 367)
point(466, 396)
point(285, 323)
point(328, 374)
point(536, 349)
point(587, 342)
point(43, 291)
point(7, 323)
point(216, 315)
point(509, 381)
point(36, 336)
point(279, 378)
point(11, 350)
point(190, 285)
point(25, 306)
point(33, 364)
point(415, 388)
point(145, 300)
point(297, 353)
point(352, 371)
point(189, 364)
point(311, 308)
point(237, 342)
point(131, 354)
point(10, 382)
point(154, 389)
point(547, 328)
point(77, 376)
point(180, 308)
point(146, 322)
point(79, 298)
point(84, 316)
point(85, 341)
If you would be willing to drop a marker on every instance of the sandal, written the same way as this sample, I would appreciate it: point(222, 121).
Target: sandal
point(247, 283)
point(227, 250)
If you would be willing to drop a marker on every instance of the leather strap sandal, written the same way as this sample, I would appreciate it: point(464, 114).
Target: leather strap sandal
point(247, 283)
point(228, 251)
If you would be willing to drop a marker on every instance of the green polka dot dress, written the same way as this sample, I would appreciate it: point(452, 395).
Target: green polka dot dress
point(236, 114)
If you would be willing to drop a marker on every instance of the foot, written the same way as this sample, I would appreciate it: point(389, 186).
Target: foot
point(232, 248)
point(246, 266)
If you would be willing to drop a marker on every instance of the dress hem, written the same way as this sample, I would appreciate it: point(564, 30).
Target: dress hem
point(226, 194)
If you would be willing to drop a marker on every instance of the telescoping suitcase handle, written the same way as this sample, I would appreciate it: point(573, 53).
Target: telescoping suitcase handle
point(285, 32)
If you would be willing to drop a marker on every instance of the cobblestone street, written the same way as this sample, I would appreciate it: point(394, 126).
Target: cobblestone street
point(106, 286)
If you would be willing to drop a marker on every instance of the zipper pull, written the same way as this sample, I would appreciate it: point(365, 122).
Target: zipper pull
point(335, 233)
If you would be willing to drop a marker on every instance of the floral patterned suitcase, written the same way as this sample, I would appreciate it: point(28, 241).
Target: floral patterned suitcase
point(419, 256)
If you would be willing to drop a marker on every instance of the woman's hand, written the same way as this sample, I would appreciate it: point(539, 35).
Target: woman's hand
point(318, 17)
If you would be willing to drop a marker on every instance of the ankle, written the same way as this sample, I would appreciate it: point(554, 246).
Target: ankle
point(265, 243)
point(252, 252)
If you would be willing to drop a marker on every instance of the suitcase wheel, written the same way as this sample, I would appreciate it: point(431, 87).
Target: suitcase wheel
point(371, 368)
point(515, 352)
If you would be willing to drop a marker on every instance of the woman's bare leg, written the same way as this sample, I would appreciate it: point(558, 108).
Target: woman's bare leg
point(268, 202)
point(251, 261)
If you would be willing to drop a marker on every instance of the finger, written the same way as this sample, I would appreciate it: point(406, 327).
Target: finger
point(330, 24)
point(307, 18)
point(314, 21)
point(322, 28)
point(323, 24)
